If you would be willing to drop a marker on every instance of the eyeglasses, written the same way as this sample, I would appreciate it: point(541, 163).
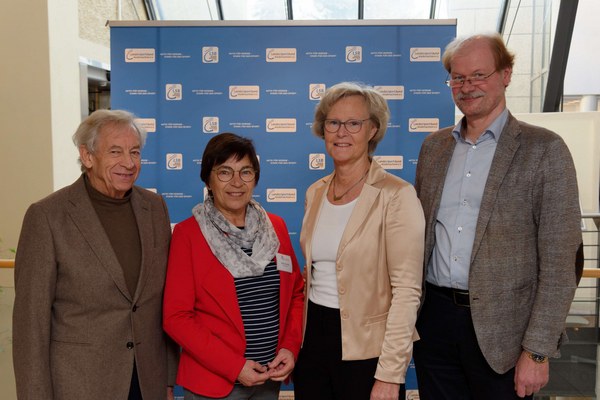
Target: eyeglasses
point(475, 80)
point(352, 125)
point(225, 174)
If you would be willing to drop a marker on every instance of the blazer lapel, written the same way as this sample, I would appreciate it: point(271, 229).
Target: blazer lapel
point(221, 286)
point(311, 219)
point(84, 217)
point(367, 197)
point(505, 152)
point(143, 217)
point(433, 188)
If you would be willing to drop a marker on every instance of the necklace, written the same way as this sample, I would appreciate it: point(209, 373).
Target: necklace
point(337, 198)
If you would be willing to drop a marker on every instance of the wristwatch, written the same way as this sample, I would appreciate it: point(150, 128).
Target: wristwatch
point(537, 358)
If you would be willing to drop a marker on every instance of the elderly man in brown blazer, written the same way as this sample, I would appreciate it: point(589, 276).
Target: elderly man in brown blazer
point(503, 227)
point(89, 276)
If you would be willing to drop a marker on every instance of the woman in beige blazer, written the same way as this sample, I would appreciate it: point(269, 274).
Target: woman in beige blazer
point(362, 238)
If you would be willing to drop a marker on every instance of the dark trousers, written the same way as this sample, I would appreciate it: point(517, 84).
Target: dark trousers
point(135, 393)
point(448, 360)
point(320, 373)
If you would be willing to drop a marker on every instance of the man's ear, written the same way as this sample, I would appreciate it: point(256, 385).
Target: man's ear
point(85, 156)
point(506, 76)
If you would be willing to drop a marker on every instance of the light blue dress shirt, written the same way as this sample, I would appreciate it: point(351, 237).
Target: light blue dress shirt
point(460, 204)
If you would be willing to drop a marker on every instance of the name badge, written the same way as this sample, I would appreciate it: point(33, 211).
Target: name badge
point(284, 262)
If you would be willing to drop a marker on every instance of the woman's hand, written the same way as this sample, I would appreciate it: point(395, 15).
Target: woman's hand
point(253, 374)
point(281, 367)
point(385, 391)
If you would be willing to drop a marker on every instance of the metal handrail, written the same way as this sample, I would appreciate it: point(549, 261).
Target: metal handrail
point(587, 272)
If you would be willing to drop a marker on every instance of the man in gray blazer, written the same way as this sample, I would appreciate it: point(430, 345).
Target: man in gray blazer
point(503, 228)
point(89, 276)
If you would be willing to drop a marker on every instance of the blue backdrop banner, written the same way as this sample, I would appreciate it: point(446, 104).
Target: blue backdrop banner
point(189, 81)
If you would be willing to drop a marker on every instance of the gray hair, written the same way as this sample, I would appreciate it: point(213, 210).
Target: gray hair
point(88, 131)
point(378, 109)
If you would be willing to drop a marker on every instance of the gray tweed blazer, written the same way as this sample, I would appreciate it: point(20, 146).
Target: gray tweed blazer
point(522, 276)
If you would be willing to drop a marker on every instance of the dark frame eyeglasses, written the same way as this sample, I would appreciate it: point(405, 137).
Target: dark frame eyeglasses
point(225, 174)
point(475, 80)
point(351, 125)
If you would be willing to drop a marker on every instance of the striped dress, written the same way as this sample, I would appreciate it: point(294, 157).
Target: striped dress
point(258, 298)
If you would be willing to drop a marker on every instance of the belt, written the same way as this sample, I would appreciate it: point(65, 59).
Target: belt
point(460, 297)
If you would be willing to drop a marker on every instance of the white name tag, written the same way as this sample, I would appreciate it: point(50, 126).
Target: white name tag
point(284, 262)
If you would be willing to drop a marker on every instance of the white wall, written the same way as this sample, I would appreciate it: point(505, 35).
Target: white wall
point(581, 132)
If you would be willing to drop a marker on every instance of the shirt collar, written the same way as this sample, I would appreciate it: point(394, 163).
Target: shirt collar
point(495, 129)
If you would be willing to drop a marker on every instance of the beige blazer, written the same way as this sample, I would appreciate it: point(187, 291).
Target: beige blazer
point(379, 270)
point(522, 275)
point(76, 328)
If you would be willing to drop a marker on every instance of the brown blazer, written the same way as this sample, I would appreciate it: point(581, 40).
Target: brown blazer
point(522, 276)
point(76, 328)
point(379, 270)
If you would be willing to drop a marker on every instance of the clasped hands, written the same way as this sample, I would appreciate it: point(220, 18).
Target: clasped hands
point(279, 369)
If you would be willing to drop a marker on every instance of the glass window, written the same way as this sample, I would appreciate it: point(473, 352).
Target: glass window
point(186, 10)
point(325, 9)
point(397, 9)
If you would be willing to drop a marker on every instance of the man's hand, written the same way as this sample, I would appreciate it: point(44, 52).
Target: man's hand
point(385, 391)
point(530, 376)
point(281, 367)
point(170, 395)
point(253, 374)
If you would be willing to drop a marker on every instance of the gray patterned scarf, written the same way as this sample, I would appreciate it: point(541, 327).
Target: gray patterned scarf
point(226, 240)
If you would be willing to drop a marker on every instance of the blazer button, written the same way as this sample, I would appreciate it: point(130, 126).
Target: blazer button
point(338, 266)
point(134, 309)
point(342, 290)
point(345, 314)
point(129, 345)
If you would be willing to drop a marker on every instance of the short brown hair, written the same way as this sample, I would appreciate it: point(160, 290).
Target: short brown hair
point(503, 58)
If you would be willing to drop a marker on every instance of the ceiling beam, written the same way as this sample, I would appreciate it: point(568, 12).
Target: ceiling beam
point(502, 16)
point(219, 10)
point(560, 55)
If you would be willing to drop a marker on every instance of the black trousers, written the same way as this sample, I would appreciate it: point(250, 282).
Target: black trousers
point(135, 393)
point(320, 373)
point(448, 360)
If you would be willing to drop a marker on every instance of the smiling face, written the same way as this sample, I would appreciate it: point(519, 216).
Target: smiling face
point(231, 198)
point(115, 164)
point(487, 100)
point(343, 146)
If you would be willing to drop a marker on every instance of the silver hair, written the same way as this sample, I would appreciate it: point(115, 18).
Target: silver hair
point(89, 130)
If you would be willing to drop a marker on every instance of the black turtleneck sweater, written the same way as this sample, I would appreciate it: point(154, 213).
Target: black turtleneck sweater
point(118, 220)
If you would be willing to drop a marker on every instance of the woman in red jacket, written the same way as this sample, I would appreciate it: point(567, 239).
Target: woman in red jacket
point(234, 293)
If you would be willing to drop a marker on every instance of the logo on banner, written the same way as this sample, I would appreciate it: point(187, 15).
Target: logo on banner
point(391, 92)
point(316, 161)
point(281, 55)
point(316, 90)
point(173, 91)
point(353, 54)
point(140, 55)
point(174, 161)
point(210, 124)
point(147, 124)
point(244, 92)
point(210, 55)
point(425, 54)
point(281, 124)
point(390, 162)
point(423, 124)
point(281, 195)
